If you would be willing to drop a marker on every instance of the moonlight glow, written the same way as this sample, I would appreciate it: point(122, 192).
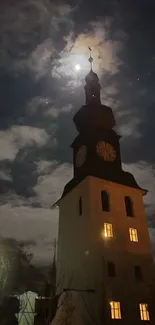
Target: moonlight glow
point(77, 67)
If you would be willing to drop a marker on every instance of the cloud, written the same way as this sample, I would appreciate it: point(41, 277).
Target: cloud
point(18, 137)
point(50, 185)
point(39, 39)
point(130, 128)
point(110, 97)
point(23, 220)
point(111, 90)
point(45, 166)
point(38, 104)
point(128, 125)
point(106, 53)
point(5, 175)
point(55, 112)
point(26, 32)
point(39, 60)
point(31, 225)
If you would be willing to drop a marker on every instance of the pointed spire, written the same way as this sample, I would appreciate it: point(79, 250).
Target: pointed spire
point(92, 76)
point(92, 87)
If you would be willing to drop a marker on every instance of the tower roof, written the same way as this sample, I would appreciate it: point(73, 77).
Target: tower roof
point(92, 77)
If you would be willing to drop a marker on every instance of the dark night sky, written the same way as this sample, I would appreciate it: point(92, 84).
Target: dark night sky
point(41, 41)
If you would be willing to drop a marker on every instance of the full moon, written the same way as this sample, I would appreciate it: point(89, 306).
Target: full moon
point(77, 67)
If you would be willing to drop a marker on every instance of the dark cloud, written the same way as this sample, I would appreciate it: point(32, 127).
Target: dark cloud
point(27, 25)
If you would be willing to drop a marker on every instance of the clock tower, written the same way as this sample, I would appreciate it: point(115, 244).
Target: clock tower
point(104, 252)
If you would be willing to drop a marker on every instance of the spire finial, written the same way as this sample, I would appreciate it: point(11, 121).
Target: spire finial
point(90, 58)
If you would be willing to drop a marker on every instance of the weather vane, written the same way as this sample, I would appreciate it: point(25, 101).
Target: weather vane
point(90, 58)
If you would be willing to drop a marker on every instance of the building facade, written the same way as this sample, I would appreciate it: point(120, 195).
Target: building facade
point(104, 250)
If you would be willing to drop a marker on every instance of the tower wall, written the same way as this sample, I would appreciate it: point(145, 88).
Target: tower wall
point(104, 249)
point(76, 240)
point(83, 253)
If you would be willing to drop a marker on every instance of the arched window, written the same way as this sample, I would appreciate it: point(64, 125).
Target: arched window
point(128, 206)
point(105, 201)
point(80, 206)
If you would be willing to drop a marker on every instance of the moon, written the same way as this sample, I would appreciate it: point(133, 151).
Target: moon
point(77, 67)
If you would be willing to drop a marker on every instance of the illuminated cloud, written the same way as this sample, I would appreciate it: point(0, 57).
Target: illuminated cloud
point(130, 128)
point(45, 166)
point(50, 185)
point(18, 137)
point(55, 112)
point(105, 53)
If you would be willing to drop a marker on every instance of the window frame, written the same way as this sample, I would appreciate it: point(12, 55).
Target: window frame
point(108, 230)
point(115, 309)
point(133, 235)
point(144, 312)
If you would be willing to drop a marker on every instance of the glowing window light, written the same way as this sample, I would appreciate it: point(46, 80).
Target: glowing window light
point(115, 310)
point(144, 313)
point(133, 234)
point(107, 231)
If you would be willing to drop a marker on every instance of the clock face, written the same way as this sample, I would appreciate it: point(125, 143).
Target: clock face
point(81, 156)
point(106, 151)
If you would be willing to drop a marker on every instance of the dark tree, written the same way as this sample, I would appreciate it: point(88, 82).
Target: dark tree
point(8, 310)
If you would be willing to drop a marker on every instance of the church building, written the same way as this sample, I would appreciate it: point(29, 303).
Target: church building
point(104, 252)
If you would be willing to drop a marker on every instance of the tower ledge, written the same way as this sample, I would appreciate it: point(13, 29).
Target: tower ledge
point(127, 180)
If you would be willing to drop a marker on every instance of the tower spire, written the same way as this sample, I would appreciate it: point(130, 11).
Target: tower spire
point(90, 58)
point(92, 87)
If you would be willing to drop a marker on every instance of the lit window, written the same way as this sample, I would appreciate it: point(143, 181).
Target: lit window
point(80, 206)
point(133, 234)
point(115, 310)
point(144, 313)
point(105, 201)
point(128, 206)
point(107, 230)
